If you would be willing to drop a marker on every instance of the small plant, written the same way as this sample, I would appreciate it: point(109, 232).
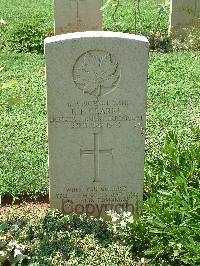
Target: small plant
point(11, 252)
point(27, 36)
point(2, 31)
point(11, 100)
point(148, 18)
point(2, 22)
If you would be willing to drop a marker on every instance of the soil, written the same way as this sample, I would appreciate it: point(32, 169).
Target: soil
point(31, 207)
point(24, 203)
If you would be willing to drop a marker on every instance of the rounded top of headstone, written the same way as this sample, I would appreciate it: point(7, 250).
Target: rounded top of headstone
point(95, 34)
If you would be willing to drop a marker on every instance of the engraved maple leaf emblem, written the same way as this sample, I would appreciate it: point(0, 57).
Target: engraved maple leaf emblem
point(97, 73)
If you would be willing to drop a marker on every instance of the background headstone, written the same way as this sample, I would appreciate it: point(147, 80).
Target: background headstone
point(96, 99)
point(184, 14)
point(77, 15)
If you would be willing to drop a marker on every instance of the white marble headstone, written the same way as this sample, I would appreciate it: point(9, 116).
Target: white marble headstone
point(96, 99)
point(77, 15)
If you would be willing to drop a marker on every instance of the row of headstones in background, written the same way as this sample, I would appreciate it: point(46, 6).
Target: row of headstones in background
point(96, 99)
point(184, 14)
point(77, 15)
point(84, 15)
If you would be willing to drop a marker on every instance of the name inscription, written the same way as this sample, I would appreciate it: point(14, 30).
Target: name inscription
point(98, 114)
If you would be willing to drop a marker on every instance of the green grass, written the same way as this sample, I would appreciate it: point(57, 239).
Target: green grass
point(27, 24)
point(173, 96)
point(23, 137)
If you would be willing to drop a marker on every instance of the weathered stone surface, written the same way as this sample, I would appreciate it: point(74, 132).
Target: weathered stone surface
point(96, 98)
point(184, 14)
point(77, 15)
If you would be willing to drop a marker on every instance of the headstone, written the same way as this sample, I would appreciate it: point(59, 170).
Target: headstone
point(96, 99)
point(184, 14)
point(77, 15)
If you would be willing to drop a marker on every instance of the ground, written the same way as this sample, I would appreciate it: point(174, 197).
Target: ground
point(36, 207)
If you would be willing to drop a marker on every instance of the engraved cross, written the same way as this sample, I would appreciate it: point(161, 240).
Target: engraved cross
point(96, 151)
point(78, 20)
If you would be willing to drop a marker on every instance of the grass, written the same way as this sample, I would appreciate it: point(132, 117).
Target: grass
point(23, 152)
point(167, 232)
point(27, 24)
point(173, 96)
